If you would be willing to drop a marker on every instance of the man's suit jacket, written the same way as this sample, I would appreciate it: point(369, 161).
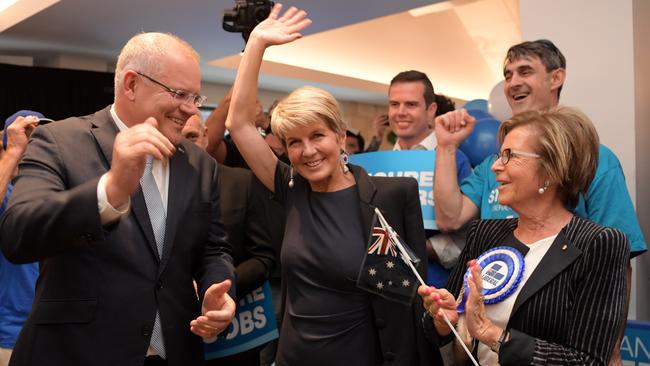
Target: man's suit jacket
point(399, 327)
point(570, 309)
point(99, 287)
point(245, 217)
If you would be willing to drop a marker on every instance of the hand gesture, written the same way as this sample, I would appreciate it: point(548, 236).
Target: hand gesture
point(381, 124)
point(478, 324)
point(218, 310)
point(276, 30)
point(129, 156)
point(454, 127)
point(18, 134)
point(439, 302)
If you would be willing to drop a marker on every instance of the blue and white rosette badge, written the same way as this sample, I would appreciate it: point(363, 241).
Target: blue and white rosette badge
point(502, 269)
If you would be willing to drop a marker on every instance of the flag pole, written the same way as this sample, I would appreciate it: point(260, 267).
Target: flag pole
point(407, 258)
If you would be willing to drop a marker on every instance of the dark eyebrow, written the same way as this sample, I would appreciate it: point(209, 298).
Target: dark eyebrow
point(523, 68)
point(404, 102)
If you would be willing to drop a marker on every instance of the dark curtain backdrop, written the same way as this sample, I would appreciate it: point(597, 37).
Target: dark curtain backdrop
point(57, 93)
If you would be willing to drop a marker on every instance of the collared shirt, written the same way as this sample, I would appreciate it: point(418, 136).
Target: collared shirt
point(447, 246)
point(160, 171)
point(428, 143)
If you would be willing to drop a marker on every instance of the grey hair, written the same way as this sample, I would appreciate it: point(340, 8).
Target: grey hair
point(144, 51)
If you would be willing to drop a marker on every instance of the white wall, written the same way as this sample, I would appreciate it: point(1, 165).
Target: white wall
point(77, 62)
point(642, 111)
point(17, 60)
point(597, 38)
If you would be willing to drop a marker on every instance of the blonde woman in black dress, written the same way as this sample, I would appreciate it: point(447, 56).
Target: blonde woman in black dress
point(330, 205)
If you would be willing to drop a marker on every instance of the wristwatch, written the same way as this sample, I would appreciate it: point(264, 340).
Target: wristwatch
point(496, 346)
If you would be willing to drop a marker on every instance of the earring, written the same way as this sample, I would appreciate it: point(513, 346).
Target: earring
point(344, 161)
point(541, 190)
point(291, 174)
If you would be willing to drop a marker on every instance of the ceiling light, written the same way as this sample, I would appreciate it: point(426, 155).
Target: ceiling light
point(430, 9)
point(4, 4)
point(14, 11)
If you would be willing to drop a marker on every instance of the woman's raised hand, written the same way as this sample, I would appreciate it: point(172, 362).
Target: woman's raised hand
point(276, 29)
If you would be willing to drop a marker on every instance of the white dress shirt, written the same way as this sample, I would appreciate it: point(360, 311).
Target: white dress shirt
point(160, 171)
point(428, 143)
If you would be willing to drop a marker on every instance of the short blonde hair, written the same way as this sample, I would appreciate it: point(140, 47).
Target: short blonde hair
point(144, 51)
point(305, 106)
point(568, 144)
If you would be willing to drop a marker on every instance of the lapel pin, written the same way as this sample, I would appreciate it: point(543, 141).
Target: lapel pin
point(564, 247)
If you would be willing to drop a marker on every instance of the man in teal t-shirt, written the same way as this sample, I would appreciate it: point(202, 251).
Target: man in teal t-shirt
point(534, 73)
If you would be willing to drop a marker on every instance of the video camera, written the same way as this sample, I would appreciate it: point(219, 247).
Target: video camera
point(245, 16)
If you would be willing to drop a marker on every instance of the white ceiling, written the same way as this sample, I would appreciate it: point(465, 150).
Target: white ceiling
point(353, 48)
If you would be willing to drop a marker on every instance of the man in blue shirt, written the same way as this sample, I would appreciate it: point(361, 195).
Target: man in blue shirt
point(412, 108)
point(534, 73)
point(18, 281)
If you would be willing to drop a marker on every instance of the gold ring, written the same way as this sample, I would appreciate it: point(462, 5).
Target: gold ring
point(481, 298)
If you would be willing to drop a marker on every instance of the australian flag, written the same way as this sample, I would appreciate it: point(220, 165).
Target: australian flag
point(384, 271)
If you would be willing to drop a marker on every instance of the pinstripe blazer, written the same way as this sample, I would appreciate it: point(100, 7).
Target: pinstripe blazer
point(571, 308)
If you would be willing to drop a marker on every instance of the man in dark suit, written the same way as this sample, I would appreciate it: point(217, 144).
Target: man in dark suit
point(246, 217)
point(121, 236)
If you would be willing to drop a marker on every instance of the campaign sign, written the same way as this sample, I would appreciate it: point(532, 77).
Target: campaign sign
point(254, 324)
point(418, 164)
point(635, 347)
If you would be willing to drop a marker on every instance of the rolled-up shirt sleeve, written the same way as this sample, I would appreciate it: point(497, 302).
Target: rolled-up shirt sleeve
point(107, 213)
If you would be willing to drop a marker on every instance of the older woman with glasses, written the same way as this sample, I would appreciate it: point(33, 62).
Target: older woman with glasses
point(547, 288)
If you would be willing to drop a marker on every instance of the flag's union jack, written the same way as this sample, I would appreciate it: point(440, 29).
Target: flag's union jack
point(382, 245)
point(384, 272)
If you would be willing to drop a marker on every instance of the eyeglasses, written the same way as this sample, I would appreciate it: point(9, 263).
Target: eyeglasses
point(179, 95)
point(508, 154)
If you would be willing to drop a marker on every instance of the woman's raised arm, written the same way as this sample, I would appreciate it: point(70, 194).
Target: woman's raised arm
point(275, 30)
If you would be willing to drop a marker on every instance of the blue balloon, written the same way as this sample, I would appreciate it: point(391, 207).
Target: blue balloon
point(482, 142)
point(479, 114)
point(481, 104)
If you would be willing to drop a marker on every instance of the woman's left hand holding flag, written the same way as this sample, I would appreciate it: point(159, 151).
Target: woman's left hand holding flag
point(438, 302)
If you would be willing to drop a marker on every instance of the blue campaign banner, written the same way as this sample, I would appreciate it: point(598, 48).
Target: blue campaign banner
point(635, 346)
point(254, 324)
point(418, 164)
